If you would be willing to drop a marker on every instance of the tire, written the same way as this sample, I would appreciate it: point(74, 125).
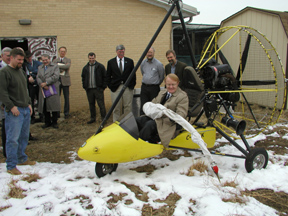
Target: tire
point(256, 159)
point(102, 169)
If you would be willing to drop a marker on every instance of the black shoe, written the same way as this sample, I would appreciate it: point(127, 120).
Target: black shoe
point(55, 126)
point(31, 138)
point(66, 116)
point(91, 121)
point(37, 120)
point(46, 126)
point(32, 120)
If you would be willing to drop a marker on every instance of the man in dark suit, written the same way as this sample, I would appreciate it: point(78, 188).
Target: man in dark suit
point(118, 71)
point(175, 66)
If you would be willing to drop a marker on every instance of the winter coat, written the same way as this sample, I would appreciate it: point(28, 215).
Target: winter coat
point(180, 66)
point(100, 76)
point(178, 103)
point(51, 76)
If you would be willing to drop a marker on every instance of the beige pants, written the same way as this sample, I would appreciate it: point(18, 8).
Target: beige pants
point(124, 105)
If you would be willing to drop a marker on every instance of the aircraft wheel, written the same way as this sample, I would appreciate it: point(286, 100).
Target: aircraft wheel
point(256, 159)
point(102, 169)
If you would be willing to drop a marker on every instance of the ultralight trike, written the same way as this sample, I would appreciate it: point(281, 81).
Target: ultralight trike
point(218, 88)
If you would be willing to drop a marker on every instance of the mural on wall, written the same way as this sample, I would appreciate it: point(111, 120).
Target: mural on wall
point(41, 45)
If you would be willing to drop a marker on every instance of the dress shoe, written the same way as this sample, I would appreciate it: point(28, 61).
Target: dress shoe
point(55, 126)
point(14, 171)
point(91, 121)
point(37, 120)
point(31, 138)
point(46, 126)
point(28, 162)
point(32, 120)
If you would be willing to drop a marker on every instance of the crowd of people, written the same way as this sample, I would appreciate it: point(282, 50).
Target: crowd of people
point(27, 84)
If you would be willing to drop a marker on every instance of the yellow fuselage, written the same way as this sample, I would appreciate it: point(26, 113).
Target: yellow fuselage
point(114, 145)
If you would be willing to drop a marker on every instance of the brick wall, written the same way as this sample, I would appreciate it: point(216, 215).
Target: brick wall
point(85, 26)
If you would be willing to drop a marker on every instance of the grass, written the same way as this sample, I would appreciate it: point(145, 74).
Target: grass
point(276, 200)
point(16, 191)
point(167, 209)
point(31, 177)
point(199, 166)
point(2, 208)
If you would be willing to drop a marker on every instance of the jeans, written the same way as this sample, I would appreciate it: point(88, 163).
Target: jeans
point(3, 138)
point(17, 136)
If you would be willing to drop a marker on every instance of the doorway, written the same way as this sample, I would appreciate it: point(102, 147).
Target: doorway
point(12, 43)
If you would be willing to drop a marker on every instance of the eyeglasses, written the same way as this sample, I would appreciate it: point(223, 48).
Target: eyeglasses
point(171, 85)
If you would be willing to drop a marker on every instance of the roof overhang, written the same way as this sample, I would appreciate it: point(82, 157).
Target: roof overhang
point(187, 10)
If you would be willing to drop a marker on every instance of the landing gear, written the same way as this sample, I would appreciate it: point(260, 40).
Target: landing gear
point(256, 159)
point(102, 169)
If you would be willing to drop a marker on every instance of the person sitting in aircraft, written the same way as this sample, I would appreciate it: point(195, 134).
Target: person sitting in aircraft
point(163, 128)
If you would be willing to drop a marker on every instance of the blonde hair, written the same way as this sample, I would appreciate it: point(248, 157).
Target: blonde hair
point(174, 77)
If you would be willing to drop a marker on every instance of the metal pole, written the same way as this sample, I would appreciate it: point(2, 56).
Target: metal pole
point(212, 152)
point(231, 141)
point(194, 64)
point(137, 66)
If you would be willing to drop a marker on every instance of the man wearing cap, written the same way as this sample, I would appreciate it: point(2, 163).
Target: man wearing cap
point(118, 71)
point(31, 67)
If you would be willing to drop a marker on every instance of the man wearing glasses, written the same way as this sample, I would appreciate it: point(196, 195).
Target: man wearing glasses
point(163, 128)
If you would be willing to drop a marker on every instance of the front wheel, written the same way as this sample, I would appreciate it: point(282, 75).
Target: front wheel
point(102, 169)
point(256, 159)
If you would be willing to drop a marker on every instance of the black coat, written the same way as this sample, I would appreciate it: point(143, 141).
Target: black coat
point(100, 75)
point(114, 76)
point(180, 66)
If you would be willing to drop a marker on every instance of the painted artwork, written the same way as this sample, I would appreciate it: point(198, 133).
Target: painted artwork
point(41, 45)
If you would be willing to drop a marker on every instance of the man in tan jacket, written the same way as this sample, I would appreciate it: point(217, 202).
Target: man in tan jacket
point(163, 128)
point(64, 64)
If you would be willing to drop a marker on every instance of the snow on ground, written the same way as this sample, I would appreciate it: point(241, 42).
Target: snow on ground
point(60, 184)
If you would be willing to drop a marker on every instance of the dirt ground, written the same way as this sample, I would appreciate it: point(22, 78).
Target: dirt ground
point(57, 146)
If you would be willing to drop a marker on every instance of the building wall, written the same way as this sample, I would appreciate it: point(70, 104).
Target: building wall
point(268, 24)
point(89, 26)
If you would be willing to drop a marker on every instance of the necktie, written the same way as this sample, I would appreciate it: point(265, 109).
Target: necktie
point(61, 60)
point(120, 66)
point(45, 68)
point(168, 95)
